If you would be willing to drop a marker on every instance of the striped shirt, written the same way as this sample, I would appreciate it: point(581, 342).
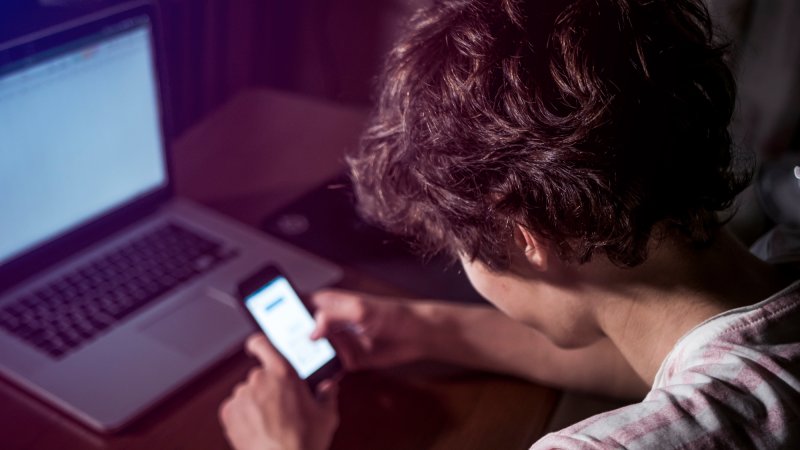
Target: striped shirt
point(731, 382)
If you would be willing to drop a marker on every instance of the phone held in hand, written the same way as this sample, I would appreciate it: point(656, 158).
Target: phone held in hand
point(278, 311)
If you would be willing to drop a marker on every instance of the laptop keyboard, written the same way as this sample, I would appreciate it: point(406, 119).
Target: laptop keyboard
point(77, 307)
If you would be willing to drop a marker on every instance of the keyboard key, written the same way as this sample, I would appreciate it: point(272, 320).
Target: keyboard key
point(74, 309)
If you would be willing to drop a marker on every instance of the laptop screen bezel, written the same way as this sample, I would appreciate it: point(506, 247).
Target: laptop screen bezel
point(57, 249)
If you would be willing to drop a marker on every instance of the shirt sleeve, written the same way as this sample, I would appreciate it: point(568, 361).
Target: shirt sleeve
point(755, 408)
point(665, 420)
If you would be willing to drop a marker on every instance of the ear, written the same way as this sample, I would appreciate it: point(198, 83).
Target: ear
point(532, 246)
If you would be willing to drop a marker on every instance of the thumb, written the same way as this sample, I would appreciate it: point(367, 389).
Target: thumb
point(322, 325)
point(337, 311)
point(259, 346)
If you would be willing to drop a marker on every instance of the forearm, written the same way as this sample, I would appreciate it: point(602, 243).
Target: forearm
point(486, 339)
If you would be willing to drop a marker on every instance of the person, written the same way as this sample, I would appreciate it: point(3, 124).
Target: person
point(574, 157)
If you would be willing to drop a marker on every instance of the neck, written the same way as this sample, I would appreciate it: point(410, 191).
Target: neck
point(645, 310)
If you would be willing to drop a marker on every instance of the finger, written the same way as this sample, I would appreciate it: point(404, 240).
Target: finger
point(325, 326)
point(322, 326)
point(328, 393)
point(337, 311)
point(255, 374)
point(347, 349)
point(326, 295)
point(224, 411)
point(261, 348)
point(337, 302)
point(239, 391)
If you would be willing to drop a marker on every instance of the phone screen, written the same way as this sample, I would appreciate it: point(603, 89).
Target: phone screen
point(288, 324)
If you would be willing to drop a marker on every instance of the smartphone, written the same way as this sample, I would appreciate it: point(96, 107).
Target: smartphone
point(278, 311)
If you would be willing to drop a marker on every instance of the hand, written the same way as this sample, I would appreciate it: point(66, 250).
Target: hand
point(274, 408)
point(370, 332)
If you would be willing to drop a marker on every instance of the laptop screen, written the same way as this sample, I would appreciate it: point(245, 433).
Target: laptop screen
point(79, 135)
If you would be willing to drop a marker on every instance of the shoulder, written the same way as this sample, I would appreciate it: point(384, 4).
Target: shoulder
point(715, 414)
point(679, 417)
point(733, 381)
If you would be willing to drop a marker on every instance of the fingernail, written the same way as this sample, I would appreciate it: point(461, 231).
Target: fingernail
point(354, 328)
point(252, 341)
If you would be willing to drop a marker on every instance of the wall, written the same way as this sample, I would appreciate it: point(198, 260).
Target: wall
point(326, 48)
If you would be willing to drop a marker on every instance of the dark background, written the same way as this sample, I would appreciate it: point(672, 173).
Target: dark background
point(332, 50)
point(325, 48)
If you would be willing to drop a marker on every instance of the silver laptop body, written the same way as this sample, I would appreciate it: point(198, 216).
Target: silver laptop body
point(84, 173)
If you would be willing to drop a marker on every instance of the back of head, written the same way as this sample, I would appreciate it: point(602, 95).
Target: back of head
point(599, 125)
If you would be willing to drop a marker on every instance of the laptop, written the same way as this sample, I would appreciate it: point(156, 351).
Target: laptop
point(113, 291)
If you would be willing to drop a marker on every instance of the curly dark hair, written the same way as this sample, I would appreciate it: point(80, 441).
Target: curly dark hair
point(597, 124)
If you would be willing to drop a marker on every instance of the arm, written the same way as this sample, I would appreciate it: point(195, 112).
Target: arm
point(486, 339)
point(379, 332)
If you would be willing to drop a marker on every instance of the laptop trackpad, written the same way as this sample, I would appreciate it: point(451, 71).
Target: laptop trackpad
point(197, 326)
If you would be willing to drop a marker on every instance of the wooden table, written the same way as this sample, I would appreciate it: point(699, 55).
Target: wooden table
point(256, 153)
